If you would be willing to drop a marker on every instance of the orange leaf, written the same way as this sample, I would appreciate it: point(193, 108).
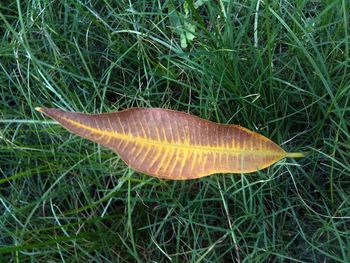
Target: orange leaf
point(174, 145)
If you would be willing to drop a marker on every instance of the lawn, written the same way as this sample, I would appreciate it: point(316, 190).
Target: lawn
point(279, 68)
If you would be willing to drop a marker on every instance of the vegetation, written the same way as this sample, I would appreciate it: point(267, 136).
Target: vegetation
point(276, 67)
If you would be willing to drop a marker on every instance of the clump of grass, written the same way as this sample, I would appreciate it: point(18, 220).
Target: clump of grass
point(279, 69)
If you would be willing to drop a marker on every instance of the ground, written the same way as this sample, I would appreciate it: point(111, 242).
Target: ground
point(279, 68)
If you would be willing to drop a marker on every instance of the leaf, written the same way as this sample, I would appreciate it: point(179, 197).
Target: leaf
point(185, 29)
point(173, 145)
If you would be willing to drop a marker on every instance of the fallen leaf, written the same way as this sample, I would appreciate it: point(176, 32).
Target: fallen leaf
point(174, 145)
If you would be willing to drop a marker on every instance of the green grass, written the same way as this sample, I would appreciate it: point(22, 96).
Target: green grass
point(283, 71)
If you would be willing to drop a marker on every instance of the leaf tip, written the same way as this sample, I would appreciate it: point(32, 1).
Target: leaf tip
point(297, 154)
point(39, 109)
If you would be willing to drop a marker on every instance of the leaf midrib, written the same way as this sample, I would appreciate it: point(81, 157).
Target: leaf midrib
point(193, 147)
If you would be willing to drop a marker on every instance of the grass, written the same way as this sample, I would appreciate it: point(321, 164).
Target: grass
point(280, 68)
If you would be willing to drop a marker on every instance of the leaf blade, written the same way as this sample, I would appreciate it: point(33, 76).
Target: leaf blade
point(173, 145)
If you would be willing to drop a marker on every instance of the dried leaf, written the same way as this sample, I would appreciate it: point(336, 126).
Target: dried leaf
point(173, 145)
